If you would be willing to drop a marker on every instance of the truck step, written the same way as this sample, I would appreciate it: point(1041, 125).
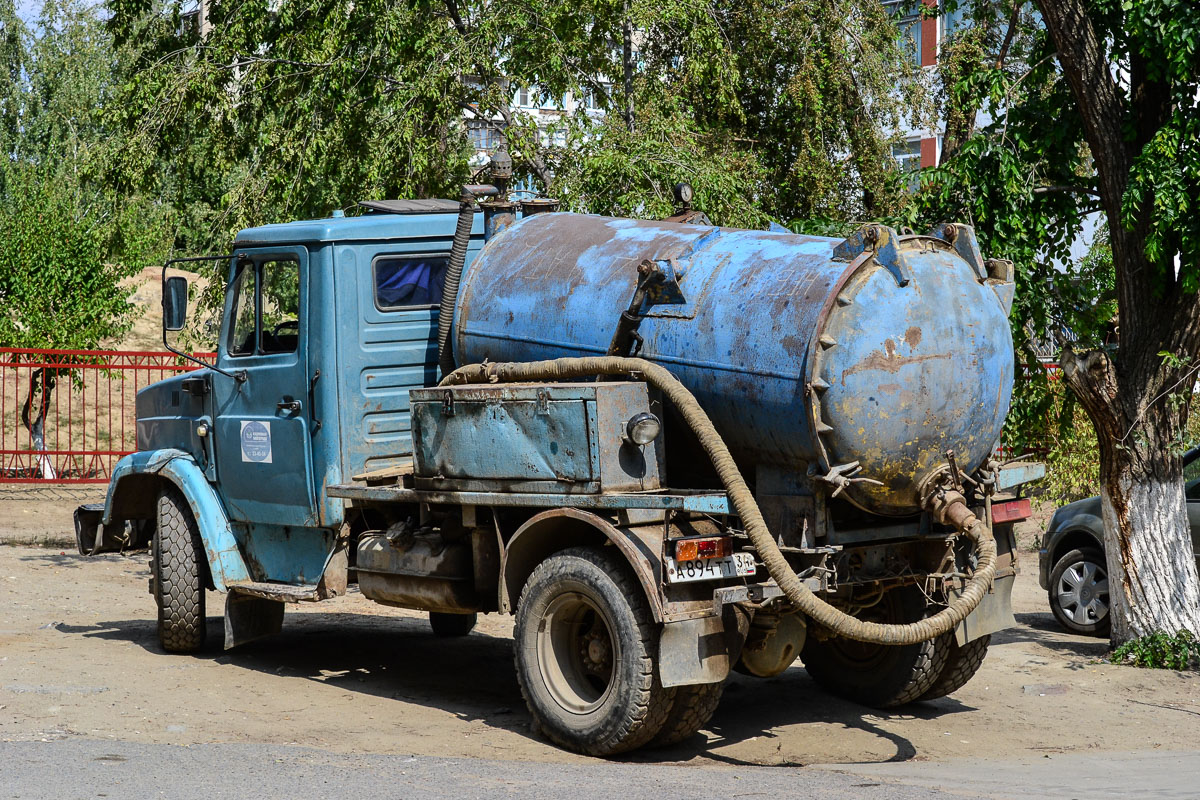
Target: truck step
point(283, 592)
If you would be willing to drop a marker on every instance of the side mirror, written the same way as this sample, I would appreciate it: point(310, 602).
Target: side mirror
point(174, 302)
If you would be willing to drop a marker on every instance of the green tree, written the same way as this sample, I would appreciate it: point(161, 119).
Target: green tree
point(771, 110)
point(69, 239)
point(1096, 110)
point(277, 113)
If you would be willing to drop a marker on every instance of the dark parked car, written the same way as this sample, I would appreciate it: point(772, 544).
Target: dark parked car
point(1071, 564)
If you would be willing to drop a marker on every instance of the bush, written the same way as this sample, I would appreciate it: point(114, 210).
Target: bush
point(1160, 651)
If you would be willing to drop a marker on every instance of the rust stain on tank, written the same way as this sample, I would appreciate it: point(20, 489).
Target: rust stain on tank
point(913, 336)
point(889, 362)
point(795, 345)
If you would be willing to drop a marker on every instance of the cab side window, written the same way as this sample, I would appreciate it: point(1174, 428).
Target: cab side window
point(280, 306)
point(242, 336)
point(409, 281)
point(266, 308)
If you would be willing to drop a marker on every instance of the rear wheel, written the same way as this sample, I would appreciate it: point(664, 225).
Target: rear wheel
point(178, 575)
point(586, 645)
point(691, 711)
point(1079, 592)
point(961, 665)
point(881, 676)
point(449, 626)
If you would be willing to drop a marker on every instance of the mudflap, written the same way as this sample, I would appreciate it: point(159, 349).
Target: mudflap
point(994, 613)
point(91, 537)
point(703, 650)
point(248, 618)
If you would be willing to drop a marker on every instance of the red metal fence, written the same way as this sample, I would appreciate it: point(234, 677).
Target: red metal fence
point(68, 415)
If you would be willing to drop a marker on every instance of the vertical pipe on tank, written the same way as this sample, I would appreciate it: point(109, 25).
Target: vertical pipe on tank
point(497, 216)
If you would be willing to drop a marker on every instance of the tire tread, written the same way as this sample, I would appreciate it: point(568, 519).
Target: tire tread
point(179, 584)
point(651, 706)
point(691, 711)
point(961, 665)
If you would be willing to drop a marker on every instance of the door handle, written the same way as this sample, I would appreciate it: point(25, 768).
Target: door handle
point(293, 406)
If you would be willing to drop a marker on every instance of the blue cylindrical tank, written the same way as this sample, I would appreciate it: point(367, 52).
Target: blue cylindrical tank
point(808, 353)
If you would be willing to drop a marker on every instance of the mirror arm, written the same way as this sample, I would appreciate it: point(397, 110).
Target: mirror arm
point(240, 375)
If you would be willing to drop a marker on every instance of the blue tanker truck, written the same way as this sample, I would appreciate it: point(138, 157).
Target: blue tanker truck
point(670, 449)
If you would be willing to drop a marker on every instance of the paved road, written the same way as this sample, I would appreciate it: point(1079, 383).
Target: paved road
point(76, 769)
point(1170, 775)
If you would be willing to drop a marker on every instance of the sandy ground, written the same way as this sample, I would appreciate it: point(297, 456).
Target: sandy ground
point(78, 658)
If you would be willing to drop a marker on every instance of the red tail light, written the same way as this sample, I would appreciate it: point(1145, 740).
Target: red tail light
point(708, 547)
point(1011, 511)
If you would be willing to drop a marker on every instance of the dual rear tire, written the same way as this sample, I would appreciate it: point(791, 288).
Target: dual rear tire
point(883, 676)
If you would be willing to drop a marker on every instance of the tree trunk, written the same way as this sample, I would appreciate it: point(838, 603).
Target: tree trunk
point(1152, 579)
point(1151, 567)
point(627, 64)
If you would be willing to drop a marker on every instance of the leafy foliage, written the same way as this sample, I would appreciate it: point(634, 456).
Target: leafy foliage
point(69, 238)
point(287, 112)
point(1160, 650)
point(56, 290)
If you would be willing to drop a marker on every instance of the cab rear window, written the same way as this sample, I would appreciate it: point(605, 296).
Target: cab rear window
point(409, 281)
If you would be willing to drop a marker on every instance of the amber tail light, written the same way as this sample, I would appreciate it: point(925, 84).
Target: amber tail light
point(707, 547)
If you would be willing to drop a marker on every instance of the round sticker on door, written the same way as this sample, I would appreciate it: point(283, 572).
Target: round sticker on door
point(256, 442)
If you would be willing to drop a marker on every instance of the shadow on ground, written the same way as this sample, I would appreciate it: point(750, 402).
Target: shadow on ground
point(472, 677)
point(1042, 629)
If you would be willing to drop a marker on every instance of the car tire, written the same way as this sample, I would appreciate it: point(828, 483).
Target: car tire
point(450, 626)
point(876, 675)
point(1079, 592)
point(586, 649)
point(178, 575)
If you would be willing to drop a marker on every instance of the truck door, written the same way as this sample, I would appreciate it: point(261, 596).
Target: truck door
point(262, 442)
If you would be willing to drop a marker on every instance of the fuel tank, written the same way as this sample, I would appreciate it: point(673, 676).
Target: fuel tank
point(808, 353)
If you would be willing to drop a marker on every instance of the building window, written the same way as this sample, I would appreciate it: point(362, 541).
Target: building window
point(908, 155)
point(523, 98)
point(484, 135)
point(908, 20)
point(590, 99)
point(954, 21)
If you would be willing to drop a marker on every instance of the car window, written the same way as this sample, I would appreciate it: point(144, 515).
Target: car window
point(1191, 475)
point(280, 306)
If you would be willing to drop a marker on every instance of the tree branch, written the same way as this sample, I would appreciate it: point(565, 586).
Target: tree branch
point(1067, 190)
point(1009, 35)
point(455, 17)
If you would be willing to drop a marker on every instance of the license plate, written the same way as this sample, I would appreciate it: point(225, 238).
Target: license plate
point(738, 565)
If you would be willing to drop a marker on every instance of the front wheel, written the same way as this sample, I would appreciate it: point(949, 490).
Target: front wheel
point(1079, 592)
point(586, 645)
point(178, 575)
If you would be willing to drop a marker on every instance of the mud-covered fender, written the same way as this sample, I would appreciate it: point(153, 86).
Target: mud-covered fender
point(558, 529)
point(134, 487)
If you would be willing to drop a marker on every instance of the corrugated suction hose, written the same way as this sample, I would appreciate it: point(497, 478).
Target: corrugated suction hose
point(458, 257)
point(948, 507)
